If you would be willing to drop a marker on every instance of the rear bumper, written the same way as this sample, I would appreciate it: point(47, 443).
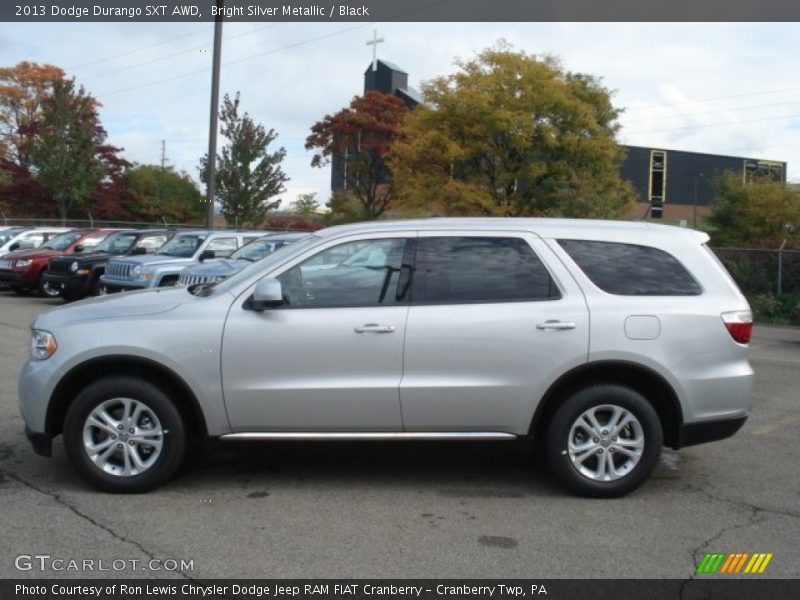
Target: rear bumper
point(42, 443)
point(691, 434)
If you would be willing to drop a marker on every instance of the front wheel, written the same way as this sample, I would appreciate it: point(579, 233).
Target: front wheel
point(124, 435)
point(604, 441)
point(47, 289)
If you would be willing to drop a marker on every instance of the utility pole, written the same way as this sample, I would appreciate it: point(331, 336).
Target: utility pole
point(212, 127)
point(161, 175)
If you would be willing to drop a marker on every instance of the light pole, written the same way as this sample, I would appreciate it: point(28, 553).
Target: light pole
point(694, 216)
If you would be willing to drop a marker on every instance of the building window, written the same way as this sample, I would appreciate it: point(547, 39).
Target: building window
point(658, 182)
point(762, 168)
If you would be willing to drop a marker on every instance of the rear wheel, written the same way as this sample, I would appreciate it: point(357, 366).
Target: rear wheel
point(604, 441)
point(124, 435)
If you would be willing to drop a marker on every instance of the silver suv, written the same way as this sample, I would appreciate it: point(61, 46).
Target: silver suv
point(601, 340)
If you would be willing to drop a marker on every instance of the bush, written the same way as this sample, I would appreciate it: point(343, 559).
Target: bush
point(780, 310)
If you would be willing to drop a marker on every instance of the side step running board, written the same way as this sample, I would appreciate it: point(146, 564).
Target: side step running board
point(365, 436)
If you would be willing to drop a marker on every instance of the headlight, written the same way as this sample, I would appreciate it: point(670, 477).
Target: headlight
point(43, 344)
point(136, 271)
point(21, 264)
point(73, 268)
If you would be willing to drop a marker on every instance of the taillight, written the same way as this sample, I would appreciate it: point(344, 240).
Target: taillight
point(739, 324)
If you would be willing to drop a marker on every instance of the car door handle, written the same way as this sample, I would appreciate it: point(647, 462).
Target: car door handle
point(556, 325)
point(374, 328)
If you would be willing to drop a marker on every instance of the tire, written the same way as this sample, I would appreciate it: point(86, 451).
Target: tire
point(45, 289)
point(588, 457)
point(159, 439)
point(98, 289)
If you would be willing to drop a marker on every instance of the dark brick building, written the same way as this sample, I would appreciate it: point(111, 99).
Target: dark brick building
point(674, 184)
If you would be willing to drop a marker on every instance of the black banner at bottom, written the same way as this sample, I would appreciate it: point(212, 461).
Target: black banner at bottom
point(406, 589)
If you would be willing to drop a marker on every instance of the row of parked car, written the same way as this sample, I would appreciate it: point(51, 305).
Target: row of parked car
point(75, 263)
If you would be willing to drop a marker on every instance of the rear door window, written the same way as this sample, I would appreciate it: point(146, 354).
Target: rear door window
point(630, 269)
point(459, 270)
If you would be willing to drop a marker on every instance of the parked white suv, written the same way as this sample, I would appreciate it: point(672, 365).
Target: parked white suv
point(601, 340)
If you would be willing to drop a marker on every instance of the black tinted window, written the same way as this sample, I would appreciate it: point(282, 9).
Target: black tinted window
point(479, 269)
point(363, 273)
point(631, 270)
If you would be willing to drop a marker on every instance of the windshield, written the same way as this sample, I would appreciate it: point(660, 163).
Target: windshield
point(258, 249)
point(117, 243)
point(63, 241)
point(269, 262)
point(8, 234)
point(182, 246)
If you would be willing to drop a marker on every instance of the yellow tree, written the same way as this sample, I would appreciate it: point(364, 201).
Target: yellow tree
point(511, 134)
point(22, 91)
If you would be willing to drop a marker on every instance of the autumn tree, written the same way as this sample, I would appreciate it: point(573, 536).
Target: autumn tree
point(511, 134)
point(248, 175)
point(23, 89)
point(306, 205)
point(761, 212)
point(162, 193)
point(68, 153)
point(360, 137)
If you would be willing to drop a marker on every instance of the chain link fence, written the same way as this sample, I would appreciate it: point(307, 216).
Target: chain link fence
point(769, 278)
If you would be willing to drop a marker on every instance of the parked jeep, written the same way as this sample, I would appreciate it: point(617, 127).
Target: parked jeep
point(219, 269)
point(164, 267)
point(23, 270)
point(79, 276)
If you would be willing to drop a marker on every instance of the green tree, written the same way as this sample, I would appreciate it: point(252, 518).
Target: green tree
point(68, 138)
point(511, 134)
point(161, 193)
point(762, 212)
point(360, 137)
point(248, 174)
point(306, 205)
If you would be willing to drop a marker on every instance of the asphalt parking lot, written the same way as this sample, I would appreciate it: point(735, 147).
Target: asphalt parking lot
point(403, 510)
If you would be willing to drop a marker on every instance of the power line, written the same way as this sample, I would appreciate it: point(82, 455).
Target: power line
point(135, 50)
point(712, 112)
point(238, 60)
point(712, 99)
point(727, 124)
point(174, 54)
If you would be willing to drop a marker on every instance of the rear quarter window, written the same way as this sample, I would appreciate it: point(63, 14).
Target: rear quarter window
point(631, 269)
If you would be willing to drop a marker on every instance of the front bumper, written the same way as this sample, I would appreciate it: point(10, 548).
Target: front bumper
point(691, 434)
point(116, 285)
point(11, 278)
point(69, 284)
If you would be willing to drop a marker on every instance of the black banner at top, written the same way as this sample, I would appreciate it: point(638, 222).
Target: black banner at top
point(400, 10)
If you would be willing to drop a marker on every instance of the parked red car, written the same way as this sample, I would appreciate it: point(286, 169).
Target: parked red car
point(22, 270)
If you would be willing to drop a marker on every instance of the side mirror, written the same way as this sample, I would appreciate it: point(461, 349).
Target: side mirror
point(205, 254)
point(139, 251)
point(78, 248)
point(14, 246)
point(268, 294)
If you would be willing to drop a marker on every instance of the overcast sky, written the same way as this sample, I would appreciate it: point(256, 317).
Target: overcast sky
point(716, 88)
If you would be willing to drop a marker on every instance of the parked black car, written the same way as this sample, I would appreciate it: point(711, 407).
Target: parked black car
point(78, 276)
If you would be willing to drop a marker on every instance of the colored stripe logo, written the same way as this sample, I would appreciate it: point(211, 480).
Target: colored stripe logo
point(734, 563)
